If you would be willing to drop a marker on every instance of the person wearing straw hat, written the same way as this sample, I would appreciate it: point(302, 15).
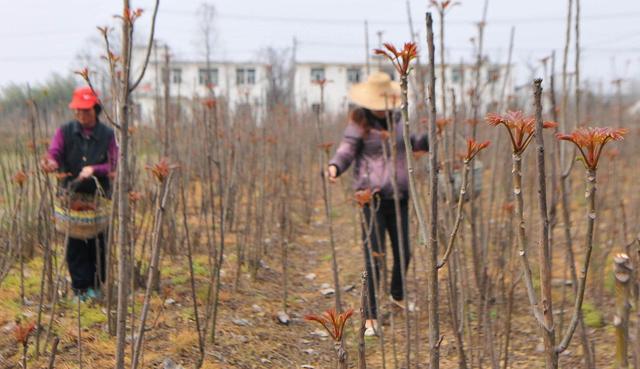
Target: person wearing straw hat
point(366, 144)
point(85, 149)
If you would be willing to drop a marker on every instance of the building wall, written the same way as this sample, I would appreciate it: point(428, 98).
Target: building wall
point(238, 83)
point(186, 82)
point(459, 78)
point(307, 93)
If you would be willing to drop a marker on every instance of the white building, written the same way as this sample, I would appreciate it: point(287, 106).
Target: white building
point(248, 82)
point(341, 76)
point(237, 82)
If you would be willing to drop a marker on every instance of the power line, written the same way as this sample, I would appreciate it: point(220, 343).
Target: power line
point(43, 33)
point(460, 48)
point(30, 59)
point(41, 58)
point(358, 22)
point(616, 39)
point(345, 22)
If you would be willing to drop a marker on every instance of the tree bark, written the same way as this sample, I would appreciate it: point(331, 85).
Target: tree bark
point(590, 195)
point(362, 357)
point(123, 176)
point(623, 274)
point(434, 320)
point(545, 262)
point(161, 201)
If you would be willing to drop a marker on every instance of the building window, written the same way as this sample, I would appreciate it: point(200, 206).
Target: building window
point(493, 74)
point(317, 74)
point(240, 76)
point(456, 74)
point(353, 75)
point(316, 108)
point(206, 76)
point(389, 70)
point(245, 76)
point(176, 75)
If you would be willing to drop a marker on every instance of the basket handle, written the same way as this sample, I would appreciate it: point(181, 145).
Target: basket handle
point(99, 188)
point(73, 185)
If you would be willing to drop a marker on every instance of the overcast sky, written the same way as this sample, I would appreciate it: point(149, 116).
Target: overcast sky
point(40, 37)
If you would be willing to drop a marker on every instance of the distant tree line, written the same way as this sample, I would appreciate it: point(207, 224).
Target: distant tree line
point(51, 96)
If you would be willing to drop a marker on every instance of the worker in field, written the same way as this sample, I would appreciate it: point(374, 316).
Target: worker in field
point(85, 153)
point(367, 143)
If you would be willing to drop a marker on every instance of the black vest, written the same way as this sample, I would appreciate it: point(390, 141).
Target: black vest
point(80, 151)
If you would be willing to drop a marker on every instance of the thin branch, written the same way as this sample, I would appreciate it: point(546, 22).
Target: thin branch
point(545, 262)
point(149, 46)
point(522, 240)
point(112, 68)
point(434, 320)
point(582, 281)
point(513, 140)
point(456, 226)
point(109, 118)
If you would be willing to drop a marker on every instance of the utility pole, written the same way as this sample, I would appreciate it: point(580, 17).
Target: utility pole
point(420, 77)
point(166, 79)
point(380, 33)
point(366, 47)
point(156, 84)
point(618, 84)
point(292, 74)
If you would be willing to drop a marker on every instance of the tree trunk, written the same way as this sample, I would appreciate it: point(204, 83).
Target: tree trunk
point(623, 273)
point(434, 320)
point(122, 196)
point(545, 262)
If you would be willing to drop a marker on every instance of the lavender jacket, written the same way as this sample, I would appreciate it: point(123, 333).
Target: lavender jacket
point(371, 169)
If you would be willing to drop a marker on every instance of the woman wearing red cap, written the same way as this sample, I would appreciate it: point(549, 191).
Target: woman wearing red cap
point(84, 148)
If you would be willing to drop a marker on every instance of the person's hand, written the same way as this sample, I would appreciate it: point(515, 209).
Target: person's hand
point(86, 172)
point(332, 173)
point(48, 164)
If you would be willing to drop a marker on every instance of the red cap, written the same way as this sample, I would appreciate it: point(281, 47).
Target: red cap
point(83, 98)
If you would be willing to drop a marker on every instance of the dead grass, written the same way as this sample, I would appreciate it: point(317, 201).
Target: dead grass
point(264, 343)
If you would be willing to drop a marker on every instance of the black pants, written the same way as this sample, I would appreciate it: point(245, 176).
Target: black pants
point(84, 259)
point(385, 221)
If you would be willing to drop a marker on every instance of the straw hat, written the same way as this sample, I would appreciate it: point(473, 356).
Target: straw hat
point(371, 94)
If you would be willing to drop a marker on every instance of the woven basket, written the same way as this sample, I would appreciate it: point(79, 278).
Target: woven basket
point(82, 224)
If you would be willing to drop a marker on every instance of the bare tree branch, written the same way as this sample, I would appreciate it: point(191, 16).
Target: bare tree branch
point(149, 46)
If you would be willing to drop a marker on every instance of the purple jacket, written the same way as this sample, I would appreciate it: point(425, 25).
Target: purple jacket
point(371, 168)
